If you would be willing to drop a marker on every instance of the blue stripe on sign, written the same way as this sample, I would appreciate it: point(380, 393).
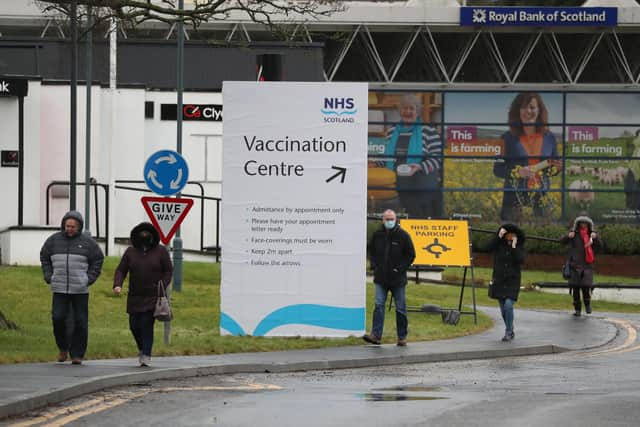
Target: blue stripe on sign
point(230, 325)
point(343, 318)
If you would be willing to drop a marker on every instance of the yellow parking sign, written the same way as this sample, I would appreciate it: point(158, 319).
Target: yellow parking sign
point(439, 242)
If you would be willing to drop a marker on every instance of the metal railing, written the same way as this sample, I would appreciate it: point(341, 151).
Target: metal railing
point(96, 209)
point(202, 198)
point(105, 187)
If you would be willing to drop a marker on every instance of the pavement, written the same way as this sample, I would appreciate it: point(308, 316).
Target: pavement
point(25, 387)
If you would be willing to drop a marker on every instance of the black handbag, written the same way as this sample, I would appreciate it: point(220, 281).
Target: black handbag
point(566, 271)
point(491, 290)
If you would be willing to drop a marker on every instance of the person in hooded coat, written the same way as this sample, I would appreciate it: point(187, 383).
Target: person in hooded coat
point(147, 263)
point(71, 262)
point(583, 241)
point(508, 256)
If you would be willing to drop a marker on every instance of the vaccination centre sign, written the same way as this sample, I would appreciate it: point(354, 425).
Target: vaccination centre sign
point(293, 210)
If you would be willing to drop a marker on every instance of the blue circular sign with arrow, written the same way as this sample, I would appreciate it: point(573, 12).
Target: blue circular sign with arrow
point(166, 172)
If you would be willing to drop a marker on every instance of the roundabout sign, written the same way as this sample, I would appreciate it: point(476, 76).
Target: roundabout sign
point(166, 172)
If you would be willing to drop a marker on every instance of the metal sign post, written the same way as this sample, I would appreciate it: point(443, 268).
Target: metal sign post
point(177, 241)
point(166, 173)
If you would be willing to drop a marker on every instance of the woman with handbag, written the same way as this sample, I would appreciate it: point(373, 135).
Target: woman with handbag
point(582, 241)
point(508, 256)
point(148, 264)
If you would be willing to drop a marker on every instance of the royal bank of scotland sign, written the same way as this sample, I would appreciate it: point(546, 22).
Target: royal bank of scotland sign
point(539, 16)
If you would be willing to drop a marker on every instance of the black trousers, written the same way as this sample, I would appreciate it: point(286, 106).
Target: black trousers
point(141, 325)
point(586, 296)
point(74, 342)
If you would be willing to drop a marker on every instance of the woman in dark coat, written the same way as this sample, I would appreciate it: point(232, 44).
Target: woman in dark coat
point(147, 263)
point(583, 241)
point(508, 255)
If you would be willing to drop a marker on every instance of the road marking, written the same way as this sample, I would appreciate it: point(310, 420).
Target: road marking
point(248, 387)
point(626, 346)
point(100, 404)
point(632, 335)
point(90, 411)
point(48, 416)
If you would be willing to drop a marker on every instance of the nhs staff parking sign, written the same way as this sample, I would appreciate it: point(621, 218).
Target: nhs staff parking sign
point(539, 16)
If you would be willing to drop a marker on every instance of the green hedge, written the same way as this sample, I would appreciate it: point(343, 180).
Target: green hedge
point(619, 239)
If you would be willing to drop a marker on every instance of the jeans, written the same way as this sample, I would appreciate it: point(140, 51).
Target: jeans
point(506, 309)
point(141, 325)
point(401, 311)
point(74, 342)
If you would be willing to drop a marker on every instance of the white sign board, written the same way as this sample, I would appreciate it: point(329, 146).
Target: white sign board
point(294, 209)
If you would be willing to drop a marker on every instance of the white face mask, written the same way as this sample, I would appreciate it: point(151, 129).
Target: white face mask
point(389, 224)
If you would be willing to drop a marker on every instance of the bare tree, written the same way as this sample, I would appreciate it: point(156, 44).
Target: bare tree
point(195, 12)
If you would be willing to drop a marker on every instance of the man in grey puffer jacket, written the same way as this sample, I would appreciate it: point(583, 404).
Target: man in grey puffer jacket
point(71, 262)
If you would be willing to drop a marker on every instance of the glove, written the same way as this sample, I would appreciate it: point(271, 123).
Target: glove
point(501, 232)
point(514, 242)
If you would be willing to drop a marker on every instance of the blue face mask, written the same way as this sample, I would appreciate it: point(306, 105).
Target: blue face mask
point(389, 224)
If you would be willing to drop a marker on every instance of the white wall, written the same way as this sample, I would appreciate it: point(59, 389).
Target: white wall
point(122, 140)
point(55, 147)
point(202, 150)
point(33, 202)
point(9, 175)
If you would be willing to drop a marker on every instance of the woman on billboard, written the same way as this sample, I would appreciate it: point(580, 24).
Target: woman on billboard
point(530, 158)
point(414, 152)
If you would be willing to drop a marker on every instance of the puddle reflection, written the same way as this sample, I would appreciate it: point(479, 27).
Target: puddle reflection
point(390, 397)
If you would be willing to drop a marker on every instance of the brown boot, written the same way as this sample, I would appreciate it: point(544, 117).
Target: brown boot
point(62, 356)
point(371, 339)
point(76, 361)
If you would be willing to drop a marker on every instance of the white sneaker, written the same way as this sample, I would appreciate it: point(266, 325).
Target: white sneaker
point(145, 360)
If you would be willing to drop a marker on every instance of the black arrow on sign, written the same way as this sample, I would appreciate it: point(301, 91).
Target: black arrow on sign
point(341, 171)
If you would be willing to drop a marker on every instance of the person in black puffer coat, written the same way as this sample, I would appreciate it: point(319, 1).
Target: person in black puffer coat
point(147, 263)
point(508, 256)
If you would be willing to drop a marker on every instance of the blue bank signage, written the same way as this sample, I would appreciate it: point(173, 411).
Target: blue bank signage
point(539, 16)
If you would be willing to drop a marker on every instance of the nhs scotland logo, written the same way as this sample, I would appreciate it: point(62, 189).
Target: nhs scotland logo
point(338, 110)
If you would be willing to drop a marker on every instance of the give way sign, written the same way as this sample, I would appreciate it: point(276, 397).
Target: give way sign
point(166, 214)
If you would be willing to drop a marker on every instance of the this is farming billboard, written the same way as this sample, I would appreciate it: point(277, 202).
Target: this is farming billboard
point(505, 156)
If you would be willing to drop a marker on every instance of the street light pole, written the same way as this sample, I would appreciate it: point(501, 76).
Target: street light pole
point(177, 241)
point(74, 104)
point(87, 157)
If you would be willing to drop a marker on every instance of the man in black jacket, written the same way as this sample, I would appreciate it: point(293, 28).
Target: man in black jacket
point(391, 253)
point(71, 262)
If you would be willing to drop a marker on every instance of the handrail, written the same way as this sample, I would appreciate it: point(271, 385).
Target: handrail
point(105, 187)
point(201, 196)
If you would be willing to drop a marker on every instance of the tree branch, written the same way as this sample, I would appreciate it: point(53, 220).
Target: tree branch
point(199, 11)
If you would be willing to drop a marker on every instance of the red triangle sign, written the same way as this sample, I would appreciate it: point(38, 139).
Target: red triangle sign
point(166, 214)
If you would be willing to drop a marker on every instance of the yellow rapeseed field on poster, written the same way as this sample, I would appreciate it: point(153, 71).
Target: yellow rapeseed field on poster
point(440, 242)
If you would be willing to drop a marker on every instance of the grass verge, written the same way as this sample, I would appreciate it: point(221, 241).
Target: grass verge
point(26, 300)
